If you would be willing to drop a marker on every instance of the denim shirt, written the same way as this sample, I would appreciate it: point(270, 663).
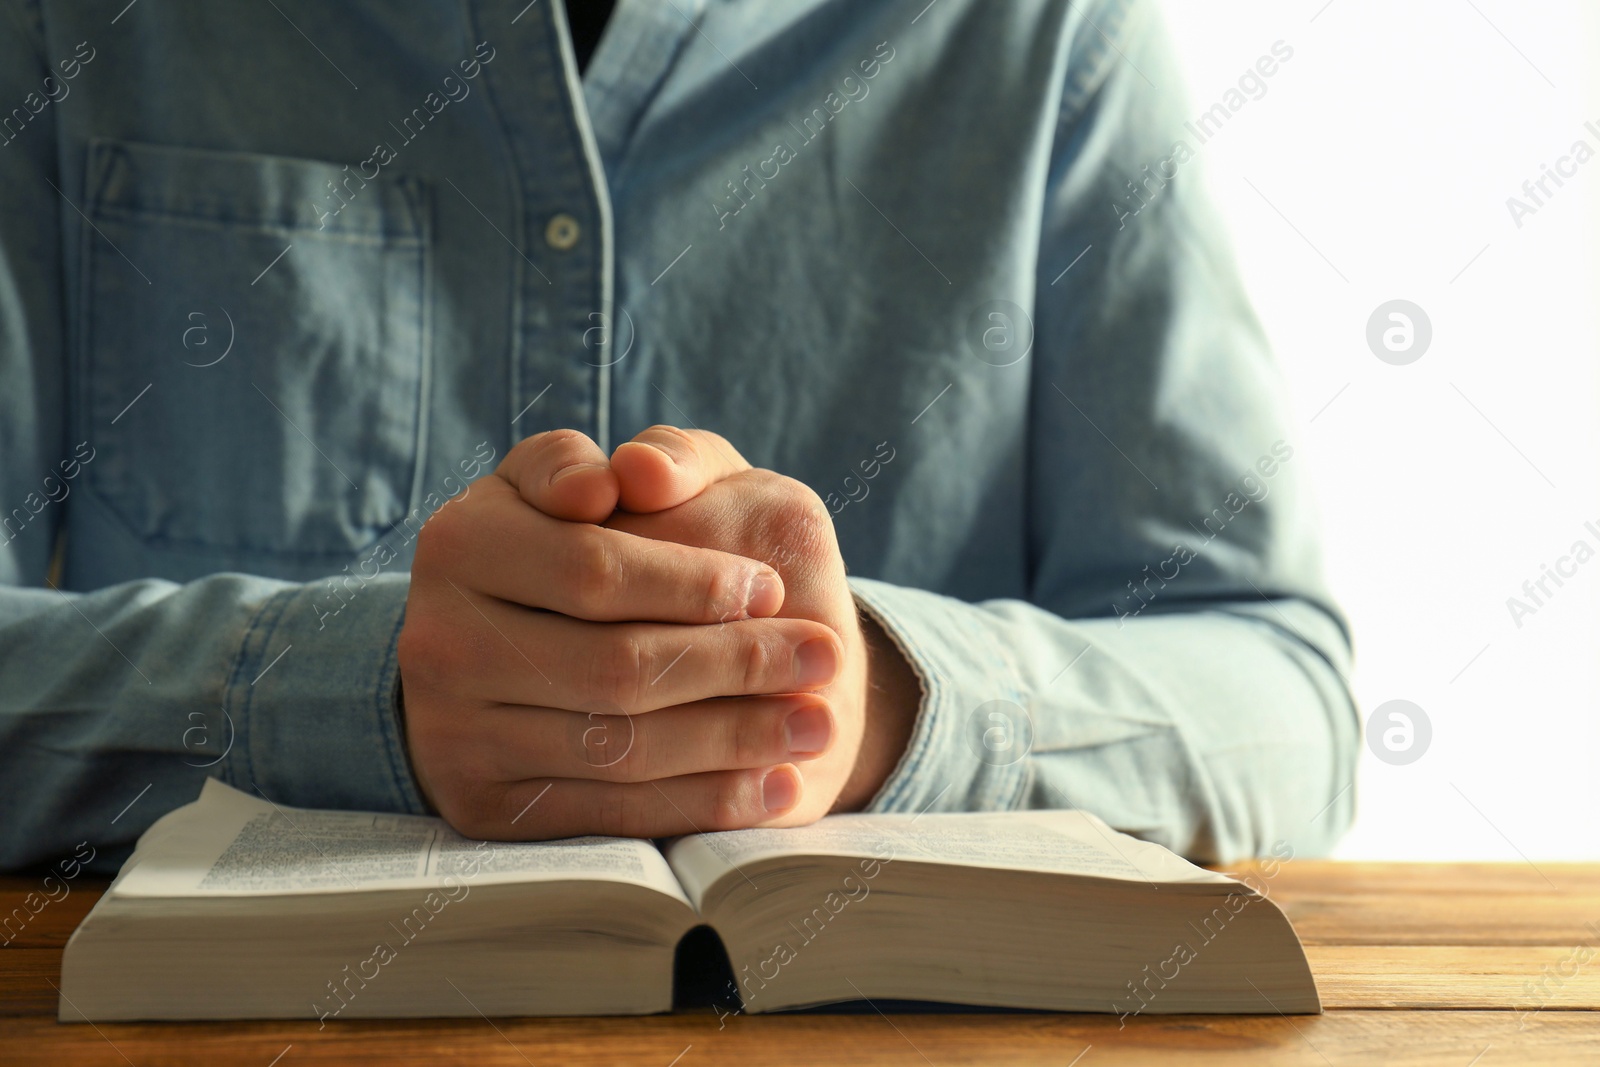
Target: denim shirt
point(277, 281)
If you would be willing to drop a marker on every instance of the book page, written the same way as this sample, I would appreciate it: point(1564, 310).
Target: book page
point(229, 843)
point(1063, 842)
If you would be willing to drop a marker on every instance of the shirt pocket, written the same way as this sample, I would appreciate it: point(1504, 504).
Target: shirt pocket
point(253, 362)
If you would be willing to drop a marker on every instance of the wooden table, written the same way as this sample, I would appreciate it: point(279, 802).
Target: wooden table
point(1457, 964)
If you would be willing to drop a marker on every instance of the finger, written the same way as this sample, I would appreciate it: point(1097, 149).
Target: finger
point(563, 474)
point(692, 803)
point(742, 733)
point(493, 650)
point(760, 515)
point(664, 466)
point(508, 550)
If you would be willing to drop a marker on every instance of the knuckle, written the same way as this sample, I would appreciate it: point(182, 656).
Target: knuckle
point(725, 591)
point(794, 518)
point(425, 650)
point(617, 670)
point(611, 810)
point(763, 662)
point(519, 453)
point(611, 745)
point(442, 540)
point(551, 441)
point(722, 445)
point(624, 811)
point(470, 811)
point(634, 759)
point(727, 803)
point(596, 570)
point(535, 454)
point(673, 437)
point(522, 455)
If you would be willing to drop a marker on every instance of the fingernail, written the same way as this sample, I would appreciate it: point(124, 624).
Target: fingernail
point(815, 662)
point(780, 789)
point(764, 597)
point(808, 730)
point(572, 468)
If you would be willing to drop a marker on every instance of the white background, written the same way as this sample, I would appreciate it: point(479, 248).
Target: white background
point(1384, 151)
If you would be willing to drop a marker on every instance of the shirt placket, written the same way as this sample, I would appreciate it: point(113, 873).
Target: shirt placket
point(559, 373)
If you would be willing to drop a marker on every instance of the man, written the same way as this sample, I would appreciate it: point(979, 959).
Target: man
point(1002, 509)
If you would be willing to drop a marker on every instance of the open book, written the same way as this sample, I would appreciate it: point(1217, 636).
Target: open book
point(233, 907)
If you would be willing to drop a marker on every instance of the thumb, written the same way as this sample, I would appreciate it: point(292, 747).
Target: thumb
point(563, 474)
point(665, 466)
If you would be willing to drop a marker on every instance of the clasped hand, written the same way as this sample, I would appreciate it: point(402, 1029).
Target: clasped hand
point(657, 643)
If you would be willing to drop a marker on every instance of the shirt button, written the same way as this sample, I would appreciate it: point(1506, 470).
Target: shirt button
point(561, 232)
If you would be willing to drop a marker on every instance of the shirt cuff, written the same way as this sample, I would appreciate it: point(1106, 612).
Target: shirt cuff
point(312, 699)
point(968, 750)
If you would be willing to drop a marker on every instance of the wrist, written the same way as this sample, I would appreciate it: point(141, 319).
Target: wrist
point(893, 700)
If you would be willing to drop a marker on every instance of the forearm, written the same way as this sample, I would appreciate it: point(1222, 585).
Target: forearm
point(116, 704)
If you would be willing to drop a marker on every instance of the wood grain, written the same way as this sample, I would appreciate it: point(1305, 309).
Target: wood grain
point(25, 977)
point(1496, 977)
point(1394, 1038)
point(54, 922)
point(1417, 963)
point(1556, 904)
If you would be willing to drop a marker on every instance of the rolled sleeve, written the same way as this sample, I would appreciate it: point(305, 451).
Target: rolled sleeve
point(1217, 733)
point(947, 766)
point(313, 699)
